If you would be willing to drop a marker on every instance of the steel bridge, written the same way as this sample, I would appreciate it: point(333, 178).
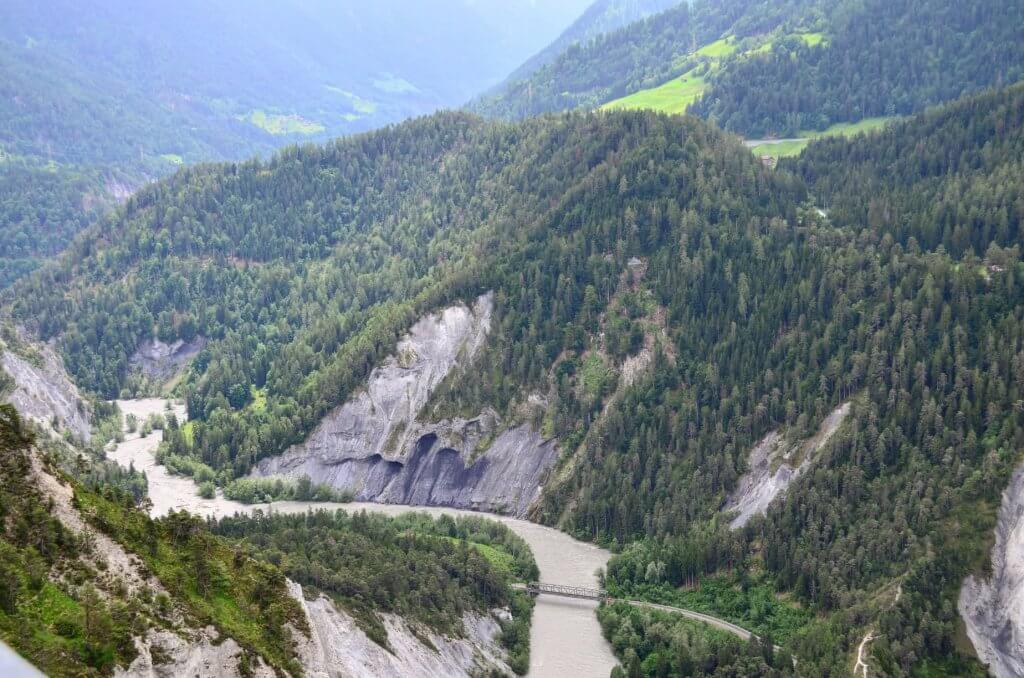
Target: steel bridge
point(536, 588)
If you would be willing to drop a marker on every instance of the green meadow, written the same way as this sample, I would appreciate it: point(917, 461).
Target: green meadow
point(795, 146)
point(277, 124)
point(675, 96)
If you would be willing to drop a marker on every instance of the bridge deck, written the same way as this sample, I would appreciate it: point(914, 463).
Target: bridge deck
point(566, 591)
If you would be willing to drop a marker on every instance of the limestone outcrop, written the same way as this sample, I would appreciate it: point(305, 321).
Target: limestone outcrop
point(44, 393)
point(375, 445)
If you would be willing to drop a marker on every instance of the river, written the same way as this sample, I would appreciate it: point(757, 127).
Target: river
point(565, 638)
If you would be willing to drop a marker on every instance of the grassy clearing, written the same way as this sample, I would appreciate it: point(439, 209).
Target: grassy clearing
point(812, 39)
point(173, 158)
point(796, 146)
point(675, 96)
point(783, 149)
point(500, 560)
point(259, 399)
point(277, 124)
point(717, 49)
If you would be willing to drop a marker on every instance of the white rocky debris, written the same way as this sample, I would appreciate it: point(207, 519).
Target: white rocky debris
point(374, 445)
point(774, 463)
point(158, 360)
point(201, 653)
point(337, 648)
point(44, 393)
point(993, 609)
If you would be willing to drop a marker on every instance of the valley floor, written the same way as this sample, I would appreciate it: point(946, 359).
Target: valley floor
point(565, 637)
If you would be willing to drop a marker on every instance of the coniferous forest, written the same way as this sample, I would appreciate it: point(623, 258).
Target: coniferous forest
point(665, 305)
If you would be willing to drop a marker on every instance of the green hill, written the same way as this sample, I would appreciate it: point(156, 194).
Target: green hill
point(662, 305)
point(780, 68)
point(100, 98)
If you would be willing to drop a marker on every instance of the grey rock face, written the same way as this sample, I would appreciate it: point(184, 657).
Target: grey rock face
point(993, 610)
point(337, 648)
point(161, 361)
point(771, 468)
point(201, 653)
point(44, 392)
point(375, 447)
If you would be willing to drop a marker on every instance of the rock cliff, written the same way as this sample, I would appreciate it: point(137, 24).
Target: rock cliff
point(44, 393)
point(161, 361)
point(993, 609)
point(375, 446)
point(337, 648)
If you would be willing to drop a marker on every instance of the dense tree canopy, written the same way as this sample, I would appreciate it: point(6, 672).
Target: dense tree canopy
point(668, 299)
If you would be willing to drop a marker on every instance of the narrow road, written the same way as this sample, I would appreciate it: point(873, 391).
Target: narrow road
point(697, 616)
point(596, 594)
point(861, 664)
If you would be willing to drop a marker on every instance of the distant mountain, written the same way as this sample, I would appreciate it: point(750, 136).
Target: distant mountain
point(206, 80)
point(780, 68)
point(601, 17)
point(99, 97)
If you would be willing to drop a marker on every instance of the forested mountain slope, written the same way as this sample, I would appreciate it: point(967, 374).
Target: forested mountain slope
point(661, 305)
point(98, 98)
point(788, 67)
point(94, 586)
point(603, 16)
point(907, 305)
point(878, 58)
point(304, 271)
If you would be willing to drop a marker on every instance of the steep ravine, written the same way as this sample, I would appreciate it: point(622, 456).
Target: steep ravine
point(993, 609)
point(565, 637)
point(375, 446)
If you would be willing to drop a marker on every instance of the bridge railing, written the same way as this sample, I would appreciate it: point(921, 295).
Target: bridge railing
point(567, 591)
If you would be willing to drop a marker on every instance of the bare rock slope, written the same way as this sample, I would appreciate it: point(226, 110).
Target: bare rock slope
point(774, 463)
point(44, 393)
point(375, 446)
point(161, 361)
point(337, 648)
point(993, 609)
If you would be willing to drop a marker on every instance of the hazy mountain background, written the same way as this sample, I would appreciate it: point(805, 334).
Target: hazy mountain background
point(99, 97)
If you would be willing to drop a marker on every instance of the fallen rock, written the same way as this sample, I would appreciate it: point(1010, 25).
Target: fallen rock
point(774, 463)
